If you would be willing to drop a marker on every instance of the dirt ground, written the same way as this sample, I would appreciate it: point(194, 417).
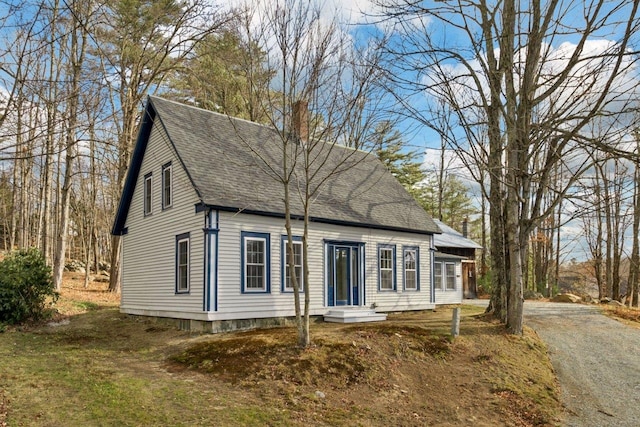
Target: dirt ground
point(406, 371)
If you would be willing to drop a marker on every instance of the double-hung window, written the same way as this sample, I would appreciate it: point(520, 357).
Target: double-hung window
point(287, 285)
point(387, 267)
point(182, 263)
point(445, 275)
point(411, 265)
point(450, 269)
point(437, 275)
point(255, 262)
point(148, 188)
point(167, 184)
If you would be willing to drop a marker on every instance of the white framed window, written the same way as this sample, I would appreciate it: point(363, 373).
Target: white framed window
point(167, 186)
point(148, 191)
point(255, 262)
point(386, 268)
point(182, 263)
point(437, 276)
point(411, 265)
point(450, 270)
point(297, 261)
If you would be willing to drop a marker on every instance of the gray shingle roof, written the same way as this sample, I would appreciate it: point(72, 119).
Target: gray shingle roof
point(225, 159)
point(451, 238)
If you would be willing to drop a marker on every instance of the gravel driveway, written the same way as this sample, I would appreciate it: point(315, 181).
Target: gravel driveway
point(597, 360)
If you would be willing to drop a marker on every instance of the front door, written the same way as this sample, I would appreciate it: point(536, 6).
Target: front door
point(343, 274)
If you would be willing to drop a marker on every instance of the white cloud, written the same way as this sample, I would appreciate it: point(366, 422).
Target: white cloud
point(346, 11)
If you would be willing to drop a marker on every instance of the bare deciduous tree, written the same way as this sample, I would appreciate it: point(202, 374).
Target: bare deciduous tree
point(140, 43)
point(322, 100)
point(534, 77)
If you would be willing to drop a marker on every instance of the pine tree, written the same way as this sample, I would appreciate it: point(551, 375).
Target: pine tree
point(391, 149)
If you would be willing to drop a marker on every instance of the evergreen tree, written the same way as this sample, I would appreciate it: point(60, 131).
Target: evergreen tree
point(456, 204)
point(390, 148)
point(227, 74)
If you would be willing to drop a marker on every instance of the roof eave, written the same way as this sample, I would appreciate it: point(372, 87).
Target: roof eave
point(142, 140)
point(315, 219)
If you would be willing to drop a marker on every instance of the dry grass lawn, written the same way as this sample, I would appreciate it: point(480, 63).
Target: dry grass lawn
point(99, 367)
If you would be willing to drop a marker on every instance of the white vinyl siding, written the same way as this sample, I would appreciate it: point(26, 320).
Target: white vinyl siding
point(149, 247)
point(448, 281)
point(234, 304)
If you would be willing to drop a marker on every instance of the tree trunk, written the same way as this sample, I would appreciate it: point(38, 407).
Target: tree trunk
point(63, 230)
point(76, 58)
point(114, 270)
point(634, 261)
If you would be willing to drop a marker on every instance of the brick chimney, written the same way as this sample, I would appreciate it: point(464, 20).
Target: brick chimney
point(465, 227)
point(301, 120)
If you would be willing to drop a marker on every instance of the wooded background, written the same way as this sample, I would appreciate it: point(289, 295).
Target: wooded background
point(537, 102)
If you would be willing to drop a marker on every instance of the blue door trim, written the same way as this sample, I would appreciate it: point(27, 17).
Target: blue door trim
point(356, 292)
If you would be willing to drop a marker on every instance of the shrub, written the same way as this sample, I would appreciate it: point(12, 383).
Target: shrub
point(25, 287)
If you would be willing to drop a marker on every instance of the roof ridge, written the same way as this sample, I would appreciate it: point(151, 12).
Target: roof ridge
point(204, 110)
point(239, 119)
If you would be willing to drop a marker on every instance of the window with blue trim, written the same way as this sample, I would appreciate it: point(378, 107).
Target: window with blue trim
point(297, 261)
point(256, 262)
point(411, 266)
point(148, 188)
point(386, 267)
point(167, 192)
point(182, 263)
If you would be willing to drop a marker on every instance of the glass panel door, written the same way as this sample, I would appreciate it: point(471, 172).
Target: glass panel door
point(342, 274)
point(355, 276)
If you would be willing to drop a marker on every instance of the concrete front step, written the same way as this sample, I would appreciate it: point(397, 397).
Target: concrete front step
point(353, 315)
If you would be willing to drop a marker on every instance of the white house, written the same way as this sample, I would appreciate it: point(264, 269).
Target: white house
point(203, 238)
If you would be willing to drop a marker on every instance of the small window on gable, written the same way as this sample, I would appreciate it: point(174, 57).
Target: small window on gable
point(387, 267)
point(167, 186)
point(148, 191)
point(256, 269)
point(182, 263)
point(411, 264)
point(297, 260)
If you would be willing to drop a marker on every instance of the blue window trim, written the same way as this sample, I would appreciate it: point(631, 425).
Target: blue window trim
point(404, 275)
point(267, 260)
point(180, 238)
point(166, 205)
point(393, 270)
point(283, 248)
point(149, 177)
